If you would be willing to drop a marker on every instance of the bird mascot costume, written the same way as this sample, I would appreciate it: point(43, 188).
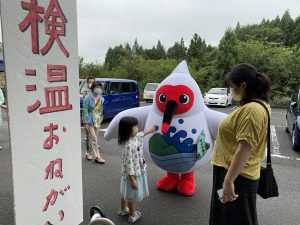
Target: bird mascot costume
point(186, 130)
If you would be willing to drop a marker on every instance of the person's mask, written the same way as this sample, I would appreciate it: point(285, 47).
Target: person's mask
point(235, 96)
point(98, 91)
point(135, 131)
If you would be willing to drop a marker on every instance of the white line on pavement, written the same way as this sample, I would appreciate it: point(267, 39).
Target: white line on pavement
point(285, 157)
point(274, 141)
point(276, 152)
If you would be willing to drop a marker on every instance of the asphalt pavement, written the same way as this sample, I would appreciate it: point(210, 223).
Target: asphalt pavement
point(101, 185)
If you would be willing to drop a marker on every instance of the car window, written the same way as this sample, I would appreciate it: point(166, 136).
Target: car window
point(115, 87)
point(151, 87)
point(133, 87)
point(125, 87)
point(218, 91)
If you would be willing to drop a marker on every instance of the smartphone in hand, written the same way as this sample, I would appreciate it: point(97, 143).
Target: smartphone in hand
point(220, 194)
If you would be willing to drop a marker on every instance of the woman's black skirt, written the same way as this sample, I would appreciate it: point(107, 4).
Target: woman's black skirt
point(242, 211)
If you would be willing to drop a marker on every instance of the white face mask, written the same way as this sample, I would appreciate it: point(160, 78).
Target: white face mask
point(236, 97)
point(135, 131)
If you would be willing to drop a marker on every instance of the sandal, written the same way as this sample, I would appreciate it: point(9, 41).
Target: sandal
point(123, 212)
point(88, 156)
point(99, 160)
point(137, 216)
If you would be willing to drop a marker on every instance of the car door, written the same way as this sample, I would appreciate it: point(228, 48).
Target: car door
point(113, 99)
point(292, 111)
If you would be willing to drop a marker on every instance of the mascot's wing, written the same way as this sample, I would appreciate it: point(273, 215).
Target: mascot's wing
point(140, 113)
point(213, 119)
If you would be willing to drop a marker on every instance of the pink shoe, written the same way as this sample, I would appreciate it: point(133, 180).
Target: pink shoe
point(88, 156)
point(99, 160)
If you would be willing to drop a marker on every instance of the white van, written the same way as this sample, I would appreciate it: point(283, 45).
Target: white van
point(218, 96)
point(149, 91)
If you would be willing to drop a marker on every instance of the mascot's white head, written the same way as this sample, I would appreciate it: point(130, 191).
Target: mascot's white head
point(178, 94)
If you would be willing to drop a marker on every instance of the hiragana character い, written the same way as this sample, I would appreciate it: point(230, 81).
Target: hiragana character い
point(55, 25)
point(32, 20)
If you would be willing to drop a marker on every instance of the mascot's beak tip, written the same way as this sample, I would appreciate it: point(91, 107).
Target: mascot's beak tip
point(165, 127)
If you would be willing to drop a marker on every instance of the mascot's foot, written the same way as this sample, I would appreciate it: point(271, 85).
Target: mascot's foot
point(186, 184)
point(168, 182)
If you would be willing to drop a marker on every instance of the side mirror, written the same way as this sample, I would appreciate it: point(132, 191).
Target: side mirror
point(293, 105)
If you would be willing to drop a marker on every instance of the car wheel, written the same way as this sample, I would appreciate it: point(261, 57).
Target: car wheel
point(295, 146)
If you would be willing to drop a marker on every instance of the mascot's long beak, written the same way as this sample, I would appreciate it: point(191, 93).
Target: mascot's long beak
point(168, 115)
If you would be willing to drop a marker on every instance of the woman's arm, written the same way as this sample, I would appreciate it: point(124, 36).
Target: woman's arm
point(239, 160)
point(86, 111)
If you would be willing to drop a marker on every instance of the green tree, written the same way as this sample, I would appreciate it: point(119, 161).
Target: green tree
point(228, 53)
point(115, 55)
point(197, 50)
point(295, 37)
point(137, 49)
point(160, 51)
point(177, 51)
point(287, 26)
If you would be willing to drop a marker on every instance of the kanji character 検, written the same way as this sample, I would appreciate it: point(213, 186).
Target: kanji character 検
point(55, 25)
point(32, 20)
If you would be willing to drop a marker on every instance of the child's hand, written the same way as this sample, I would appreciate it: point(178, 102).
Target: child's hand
point(153, 128)
point(134, 184)
point(150, 130)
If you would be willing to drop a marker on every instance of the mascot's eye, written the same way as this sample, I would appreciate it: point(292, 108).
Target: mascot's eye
point(162, 98)
point(184, 99)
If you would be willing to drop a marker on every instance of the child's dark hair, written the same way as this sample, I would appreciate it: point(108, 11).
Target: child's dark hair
point(125, 128)
point(257, 84)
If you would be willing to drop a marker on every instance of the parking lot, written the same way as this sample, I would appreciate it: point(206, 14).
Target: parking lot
point(101, 185)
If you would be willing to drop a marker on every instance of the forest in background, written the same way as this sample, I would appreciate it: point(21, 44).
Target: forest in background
point(273, 46)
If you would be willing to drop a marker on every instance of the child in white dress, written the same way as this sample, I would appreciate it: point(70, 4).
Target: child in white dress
point(134, 184)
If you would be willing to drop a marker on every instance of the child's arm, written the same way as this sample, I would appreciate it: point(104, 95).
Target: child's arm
point(133, 182)
point(3, 106)
point(150, 130)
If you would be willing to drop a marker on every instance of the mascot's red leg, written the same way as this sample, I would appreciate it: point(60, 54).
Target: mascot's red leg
point(186, 184)
point(168, 182)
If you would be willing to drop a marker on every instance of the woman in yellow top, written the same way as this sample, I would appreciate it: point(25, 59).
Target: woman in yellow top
point(240, 149)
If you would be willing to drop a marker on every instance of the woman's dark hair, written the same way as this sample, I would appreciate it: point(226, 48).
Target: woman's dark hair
point(125, 128)
point(257, 84)
point(90, 78)
point(95, 84)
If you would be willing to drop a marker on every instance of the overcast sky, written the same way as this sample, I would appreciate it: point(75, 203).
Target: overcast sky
point(107, 23)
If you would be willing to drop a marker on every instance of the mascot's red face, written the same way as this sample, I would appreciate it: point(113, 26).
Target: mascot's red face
point(173, 100)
